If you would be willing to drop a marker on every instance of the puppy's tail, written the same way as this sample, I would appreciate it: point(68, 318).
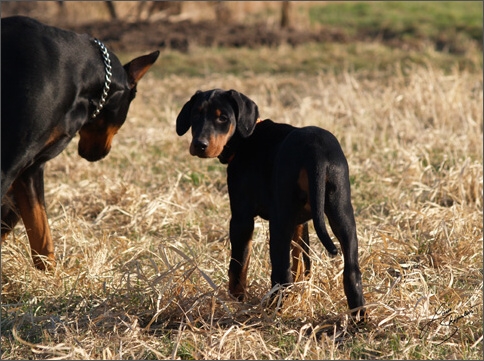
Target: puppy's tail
point(317, 197)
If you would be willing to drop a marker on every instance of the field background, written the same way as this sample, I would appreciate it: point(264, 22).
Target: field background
point(141, 237)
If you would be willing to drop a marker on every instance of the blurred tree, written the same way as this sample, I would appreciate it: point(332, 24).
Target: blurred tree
point(222, 11)
point(111, 9)
point(109, 5)
point(285, 19)
point(168, 7)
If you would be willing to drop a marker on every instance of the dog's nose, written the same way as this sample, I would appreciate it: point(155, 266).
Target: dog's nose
point(201, 145)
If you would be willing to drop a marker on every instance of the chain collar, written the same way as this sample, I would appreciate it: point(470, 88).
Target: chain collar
point(107, 82)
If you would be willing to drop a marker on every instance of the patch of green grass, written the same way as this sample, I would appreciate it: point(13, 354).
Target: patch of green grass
point(186, 351)
point(310, 58)
point(417, 19)
point(447, 35)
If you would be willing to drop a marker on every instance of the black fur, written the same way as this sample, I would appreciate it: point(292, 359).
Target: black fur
point(281, 173)
point(52, 80)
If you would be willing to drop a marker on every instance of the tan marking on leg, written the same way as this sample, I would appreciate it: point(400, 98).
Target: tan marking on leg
point(35, 220)
point(238, 288)
point(297, 254)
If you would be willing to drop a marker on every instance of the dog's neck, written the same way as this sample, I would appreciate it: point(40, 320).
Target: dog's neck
point(231, 147)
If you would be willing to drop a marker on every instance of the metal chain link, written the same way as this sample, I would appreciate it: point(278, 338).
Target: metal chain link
point(107, 82)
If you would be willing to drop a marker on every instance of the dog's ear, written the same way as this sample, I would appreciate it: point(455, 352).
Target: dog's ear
point(246, 112)
point(138, 67)
point(183, 121)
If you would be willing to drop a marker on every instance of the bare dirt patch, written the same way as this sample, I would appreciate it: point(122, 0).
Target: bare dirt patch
point(163, 34)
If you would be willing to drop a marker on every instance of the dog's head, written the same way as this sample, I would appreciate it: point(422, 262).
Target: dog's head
point(97, 134)
point(215, 116)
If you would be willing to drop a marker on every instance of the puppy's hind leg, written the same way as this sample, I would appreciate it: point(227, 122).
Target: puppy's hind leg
point(301, 263)
point(342, 221)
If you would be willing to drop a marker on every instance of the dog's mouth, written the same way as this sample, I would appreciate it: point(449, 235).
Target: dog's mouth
point(204, 149)
point(93, 144)
point(93, 155)
point(197, 152)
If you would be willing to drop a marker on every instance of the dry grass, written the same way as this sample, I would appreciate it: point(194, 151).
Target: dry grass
point(142, 236)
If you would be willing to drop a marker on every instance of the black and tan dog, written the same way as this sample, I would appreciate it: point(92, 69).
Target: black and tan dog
point(55, 83)
point(284, 174)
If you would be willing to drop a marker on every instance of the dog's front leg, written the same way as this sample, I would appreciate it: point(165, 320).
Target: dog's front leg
point(28, 190)
point(241, 230)
point(10, 214)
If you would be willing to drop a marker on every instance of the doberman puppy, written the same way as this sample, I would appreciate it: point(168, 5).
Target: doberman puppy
point(55, 83)
point(284, 174)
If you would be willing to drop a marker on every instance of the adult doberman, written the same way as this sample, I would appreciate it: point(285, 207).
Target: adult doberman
point(284, 174)
point(55, 83)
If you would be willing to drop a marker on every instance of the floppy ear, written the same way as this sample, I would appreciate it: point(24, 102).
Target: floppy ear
point(183, 121)
point(138, 67)
point(246, 112)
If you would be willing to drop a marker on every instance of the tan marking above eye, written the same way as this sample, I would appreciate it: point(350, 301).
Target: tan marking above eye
point(218, 112)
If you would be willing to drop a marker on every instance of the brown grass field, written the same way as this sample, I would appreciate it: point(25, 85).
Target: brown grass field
point(142, 242)
point(143, 248)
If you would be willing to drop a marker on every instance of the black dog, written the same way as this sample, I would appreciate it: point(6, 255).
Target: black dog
point(281, 173)
point(55, 83)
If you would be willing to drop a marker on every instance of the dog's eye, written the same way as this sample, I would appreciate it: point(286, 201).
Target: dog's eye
point(223, 119)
